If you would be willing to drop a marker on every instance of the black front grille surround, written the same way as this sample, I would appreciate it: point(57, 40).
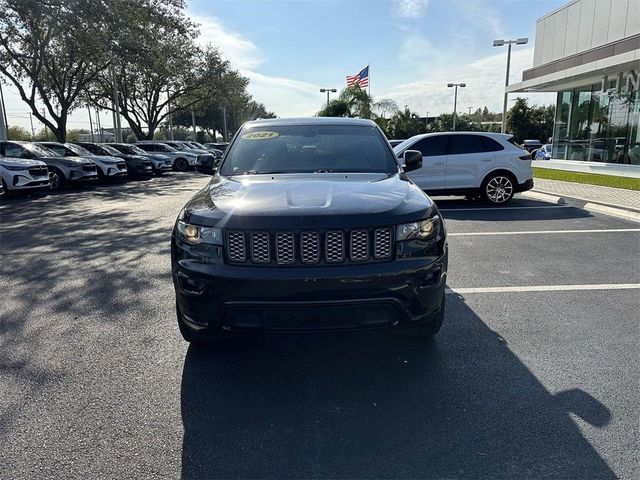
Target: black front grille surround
point(308, 248)
point(38, 171)
point(88, 168)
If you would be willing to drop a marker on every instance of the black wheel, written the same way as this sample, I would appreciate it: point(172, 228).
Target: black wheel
point(498, 189)
point(56, 179)
point(429, 329)
point(5, 190)
point(180, 164)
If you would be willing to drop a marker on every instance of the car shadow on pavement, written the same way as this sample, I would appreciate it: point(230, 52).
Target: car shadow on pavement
point(380, 405)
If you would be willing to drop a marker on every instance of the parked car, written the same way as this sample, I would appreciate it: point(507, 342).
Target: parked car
point(544, 152)
point(160, 163)
point(222, 146)
point(108, 167)
point(531, 145)
point(218, 154)
point(62, 170)
point(393, 143)
point(19, 175)
point(137, 165)
point(182, 160)
point(289, 237)
point(489, 165)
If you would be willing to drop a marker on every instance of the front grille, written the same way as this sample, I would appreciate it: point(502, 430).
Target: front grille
point(121, 165)
point(38, 172)
point(309, 247)
point(88, 168)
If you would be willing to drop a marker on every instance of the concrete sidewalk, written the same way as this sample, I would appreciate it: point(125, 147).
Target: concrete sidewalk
point(611, 197)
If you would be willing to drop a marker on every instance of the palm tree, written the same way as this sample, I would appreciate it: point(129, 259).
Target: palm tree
point(405, 124)
point(356, 102)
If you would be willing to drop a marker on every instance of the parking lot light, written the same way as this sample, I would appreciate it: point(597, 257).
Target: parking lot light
point(322, 90)
point(500, 43)
point(455, 100)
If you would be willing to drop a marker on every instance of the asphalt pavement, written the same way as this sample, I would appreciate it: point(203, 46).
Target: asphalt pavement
point(533, 375)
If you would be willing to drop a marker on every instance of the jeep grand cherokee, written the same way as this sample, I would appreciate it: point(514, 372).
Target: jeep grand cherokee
point(310, 225)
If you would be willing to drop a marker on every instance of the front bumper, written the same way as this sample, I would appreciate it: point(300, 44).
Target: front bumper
point(140, 170)
point(220, 297)
point(25, 181)
point(162, 167)
point(86, 174)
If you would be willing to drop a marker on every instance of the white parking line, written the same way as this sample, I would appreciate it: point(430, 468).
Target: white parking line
point(546, 288)
point(531, 232)
point(500, 209)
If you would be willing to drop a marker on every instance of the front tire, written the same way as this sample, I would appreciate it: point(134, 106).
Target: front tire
point(498, 189)
point(180, 164)
point(56, 179)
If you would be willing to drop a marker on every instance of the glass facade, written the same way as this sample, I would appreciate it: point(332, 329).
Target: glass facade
point(598, 123)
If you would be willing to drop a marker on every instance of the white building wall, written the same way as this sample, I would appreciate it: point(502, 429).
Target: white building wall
point(581, 25)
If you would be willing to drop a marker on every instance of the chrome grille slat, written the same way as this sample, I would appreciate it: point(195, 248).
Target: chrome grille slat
point(382, 243)
point(285, 248)
point(260, 247)
point(334, 246)
point(359, 247)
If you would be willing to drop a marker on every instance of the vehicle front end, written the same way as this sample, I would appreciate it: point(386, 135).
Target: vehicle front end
point(20, 175)
point(207, 163)
point(110, 167)
point(160, 163)
point(326, 250)
point(138, 165)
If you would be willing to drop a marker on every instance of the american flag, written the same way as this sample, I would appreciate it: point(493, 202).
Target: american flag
point(361, 78)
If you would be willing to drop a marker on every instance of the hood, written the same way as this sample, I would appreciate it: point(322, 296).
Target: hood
point(65, 160)
point(321, 200)
point(20, 162)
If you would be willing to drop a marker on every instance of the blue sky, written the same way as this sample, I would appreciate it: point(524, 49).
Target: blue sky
point(291, 48)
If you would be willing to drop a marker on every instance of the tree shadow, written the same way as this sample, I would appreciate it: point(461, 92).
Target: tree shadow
point(380, 405)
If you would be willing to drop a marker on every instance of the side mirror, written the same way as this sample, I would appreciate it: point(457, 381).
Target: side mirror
point(412, 160)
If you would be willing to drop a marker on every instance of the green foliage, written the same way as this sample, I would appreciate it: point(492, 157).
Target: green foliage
point(525, 122)
point(405, 124)
point(589, 178)
point(18, 133)
point(356, 102)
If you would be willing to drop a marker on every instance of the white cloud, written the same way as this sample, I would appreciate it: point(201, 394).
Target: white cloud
point(410, 8)
point(241, 52)
point(481, 15)
point(485, 85)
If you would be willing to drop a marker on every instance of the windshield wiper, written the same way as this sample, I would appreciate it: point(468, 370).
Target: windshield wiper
point(262, 172)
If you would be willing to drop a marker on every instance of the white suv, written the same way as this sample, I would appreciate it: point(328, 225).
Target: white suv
point(474, 164)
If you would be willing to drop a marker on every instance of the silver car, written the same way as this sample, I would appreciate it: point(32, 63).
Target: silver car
point(182, 160)
point(62, 170)
point(160, 163)
point(108, 167)
point(22, 175)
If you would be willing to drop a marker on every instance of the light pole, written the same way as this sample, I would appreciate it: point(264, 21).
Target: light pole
point(455, 100)
point(4, 128)
point(469, 110)
point(333, 90)
point(501, 43)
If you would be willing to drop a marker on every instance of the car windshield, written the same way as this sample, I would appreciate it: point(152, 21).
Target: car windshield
point(403, 145)
point(39, 150)
point(307, 149)
point(129, 149)
point(78, 150)
point(109, 150)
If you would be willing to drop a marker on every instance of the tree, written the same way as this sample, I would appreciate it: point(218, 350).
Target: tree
point(160, 70)
point(526, 122)
point(356, 102)
point(51, 50)
point(18, 133)
point(405, 124)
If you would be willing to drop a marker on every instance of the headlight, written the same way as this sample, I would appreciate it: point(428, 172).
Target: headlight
point(195, 234)
point(423, 230)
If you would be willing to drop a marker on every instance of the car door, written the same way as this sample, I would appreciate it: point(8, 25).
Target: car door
point(430, 176)
point(470, 159)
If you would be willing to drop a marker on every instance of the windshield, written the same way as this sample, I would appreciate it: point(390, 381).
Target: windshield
point(129, 149)
point(109, 150)
point(39, 150)
point(78, 150)
point(307, 149)
point(403, 145)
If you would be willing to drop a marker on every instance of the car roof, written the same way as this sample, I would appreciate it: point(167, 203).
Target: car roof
point(273, 122)
point(497, 136)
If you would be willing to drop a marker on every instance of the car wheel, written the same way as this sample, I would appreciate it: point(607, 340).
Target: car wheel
point(56, 179)
point(498, 189)
point(5, 190)
point(180, 164)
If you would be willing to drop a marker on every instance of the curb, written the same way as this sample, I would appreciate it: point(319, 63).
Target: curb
point(544, 197)
point(607, 204)
point(614, 210)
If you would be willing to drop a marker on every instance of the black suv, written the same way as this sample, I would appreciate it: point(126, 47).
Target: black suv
point(310, 225)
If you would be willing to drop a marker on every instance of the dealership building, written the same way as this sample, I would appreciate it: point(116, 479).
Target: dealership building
point(588, 51)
